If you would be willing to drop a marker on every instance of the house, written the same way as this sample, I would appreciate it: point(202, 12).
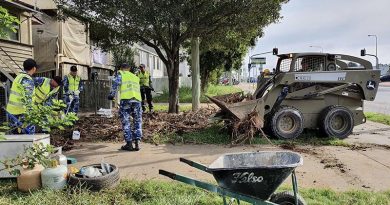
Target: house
point(60, 44)
point(16, 47)
point(147, 55)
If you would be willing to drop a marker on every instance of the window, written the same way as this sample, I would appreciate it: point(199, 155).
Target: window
point(309, 64)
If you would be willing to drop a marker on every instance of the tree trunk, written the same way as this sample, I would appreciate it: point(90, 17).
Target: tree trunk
point(173, 88)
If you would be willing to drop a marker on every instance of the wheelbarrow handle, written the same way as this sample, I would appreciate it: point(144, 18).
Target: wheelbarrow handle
point(194, 164)
point(166, 173)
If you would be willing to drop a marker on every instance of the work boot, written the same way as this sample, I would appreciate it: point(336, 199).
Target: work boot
point(137, 148)
point(128, 147)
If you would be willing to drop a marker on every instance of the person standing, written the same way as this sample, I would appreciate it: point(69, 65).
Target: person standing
point(46, 89)
point(22, 91)
point(72, 88)
point(130, 104)
point(146, 87)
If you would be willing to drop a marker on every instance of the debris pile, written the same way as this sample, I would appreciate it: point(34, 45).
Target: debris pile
point(244, 131)
point(95, 128)
point(231, 98)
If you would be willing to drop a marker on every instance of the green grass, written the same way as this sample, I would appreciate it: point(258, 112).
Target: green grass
point(185, 93)
point(164, 107)
point(215, 134)
point(169, 193)
point(377, 117)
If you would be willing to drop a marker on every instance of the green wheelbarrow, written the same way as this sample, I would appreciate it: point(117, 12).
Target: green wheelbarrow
point(251, 176)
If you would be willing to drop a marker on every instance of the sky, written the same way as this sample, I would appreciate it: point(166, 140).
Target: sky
point(336, 26)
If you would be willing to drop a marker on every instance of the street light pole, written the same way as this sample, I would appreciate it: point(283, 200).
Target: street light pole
point(322, 50)
point(376, 49)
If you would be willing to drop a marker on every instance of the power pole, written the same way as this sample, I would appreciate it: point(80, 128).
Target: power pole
point(195, 73)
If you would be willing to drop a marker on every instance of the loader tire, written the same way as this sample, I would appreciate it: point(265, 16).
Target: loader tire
point(287, 123)
point(336, 121)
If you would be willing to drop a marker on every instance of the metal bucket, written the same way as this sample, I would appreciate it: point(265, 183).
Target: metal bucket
point(256, 174)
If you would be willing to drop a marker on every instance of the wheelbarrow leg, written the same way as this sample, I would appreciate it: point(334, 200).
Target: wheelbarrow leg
point(295, 186)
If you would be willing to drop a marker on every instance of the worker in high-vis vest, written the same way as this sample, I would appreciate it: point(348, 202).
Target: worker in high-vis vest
point(22, 91)
point(46, 89)
point(146, 87)
point(128, 85)
point(72, 88)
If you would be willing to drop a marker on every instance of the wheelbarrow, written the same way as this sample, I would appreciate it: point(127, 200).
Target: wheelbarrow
point(251, 176)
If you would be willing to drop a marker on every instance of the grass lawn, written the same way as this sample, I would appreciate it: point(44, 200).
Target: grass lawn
point(185, 93)
point(216, 135)
point(377, 117)
point(169, 193)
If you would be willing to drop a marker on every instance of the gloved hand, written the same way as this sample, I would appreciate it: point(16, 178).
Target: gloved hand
point(76, 92)
point(110, 97)
point(71, 97)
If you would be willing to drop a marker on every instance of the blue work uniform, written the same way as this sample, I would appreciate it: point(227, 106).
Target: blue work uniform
point(75, 103)
point(128, 107)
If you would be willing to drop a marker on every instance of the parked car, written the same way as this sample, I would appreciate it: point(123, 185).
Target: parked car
point(385, 78)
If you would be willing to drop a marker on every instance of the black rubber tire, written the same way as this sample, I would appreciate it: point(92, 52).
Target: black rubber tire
point(332, 113)
point(286, 198)
point(296, 118)
point(98, 183)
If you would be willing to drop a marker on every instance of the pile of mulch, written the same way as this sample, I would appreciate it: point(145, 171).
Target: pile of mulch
point(95, 128)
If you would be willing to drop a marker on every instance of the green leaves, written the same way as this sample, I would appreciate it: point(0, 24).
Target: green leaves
point(7, 22)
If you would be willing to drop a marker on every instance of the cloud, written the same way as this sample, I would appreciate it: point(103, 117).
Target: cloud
point(336, 26)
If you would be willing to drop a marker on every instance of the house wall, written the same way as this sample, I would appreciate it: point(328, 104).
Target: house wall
point(15, 52)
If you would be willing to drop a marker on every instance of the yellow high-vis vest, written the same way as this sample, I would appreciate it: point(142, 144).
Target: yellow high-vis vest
point(43, 92)
point(144, 78)
point(130, 87)
point(74, 82)
point(15, 105)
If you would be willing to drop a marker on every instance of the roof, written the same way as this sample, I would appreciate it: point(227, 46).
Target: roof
point(19, 5)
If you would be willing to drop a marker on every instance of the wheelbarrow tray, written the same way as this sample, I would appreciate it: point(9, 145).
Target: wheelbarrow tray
point(256, 174)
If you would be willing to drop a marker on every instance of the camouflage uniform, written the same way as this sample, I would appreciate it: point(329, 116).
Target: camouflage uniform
point(38, 81)
point(74, 107)
point(128, 108)
point(29, 90)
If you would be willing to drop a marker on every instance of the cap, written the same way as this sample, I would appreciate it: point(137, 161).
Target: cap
point(73, 68)
point(142, 66)
point(29, 64)
point(266, 71)
point(58, 80)
point(124, 65)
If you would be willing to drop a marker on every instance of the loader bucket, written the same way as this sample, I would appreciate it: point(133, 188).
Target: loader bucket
point(239, 110)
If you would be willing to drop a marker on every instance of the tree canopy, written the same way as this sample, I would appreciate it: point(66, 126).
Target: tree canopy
point(7, 22)
point(166, 25)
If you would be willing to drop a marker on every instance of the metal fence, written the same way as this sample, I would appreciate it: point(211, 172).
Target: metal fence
point(95, 95)
point(3, 102)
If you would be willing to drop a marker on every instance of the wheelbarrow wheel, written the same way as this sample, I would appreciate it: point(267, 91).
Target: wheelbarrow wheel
point(286, 198)
point(287, 123)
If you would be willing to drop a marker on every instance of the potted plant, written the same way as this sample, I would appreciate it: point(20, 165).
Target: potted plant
point(27, 166)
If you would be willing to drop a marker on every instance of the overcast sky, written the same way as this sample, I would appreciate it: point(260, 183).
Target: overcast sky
point(338, 26)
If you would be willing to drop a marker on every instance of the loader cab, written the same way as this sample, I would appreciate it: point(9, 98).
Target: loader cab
point(307, 62)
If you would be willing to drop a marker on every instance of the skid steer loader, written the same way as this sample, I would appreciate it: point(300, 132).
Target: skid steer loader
point(309, 90)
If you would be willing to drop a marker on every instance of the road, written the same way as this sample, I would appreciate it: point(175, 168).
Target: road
point(381, 104)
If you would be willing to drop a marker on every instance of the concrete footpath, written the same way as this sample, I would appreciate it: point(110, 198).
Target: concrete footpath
point(338, 168)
